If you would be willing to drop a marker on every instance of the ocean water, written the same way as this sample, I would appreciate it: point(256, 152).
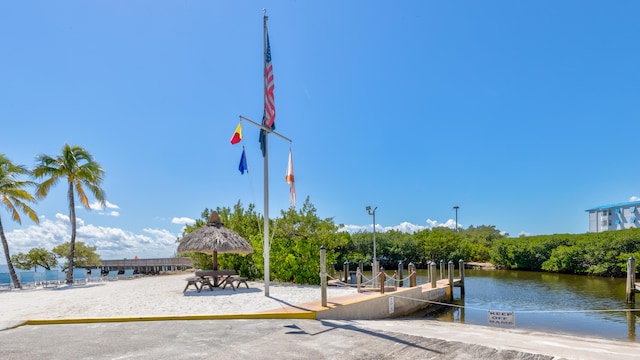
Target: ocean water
point(4, 268)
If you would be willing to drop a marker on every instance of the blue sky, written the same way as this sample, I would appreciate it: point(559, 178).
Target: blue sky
point(523, 114)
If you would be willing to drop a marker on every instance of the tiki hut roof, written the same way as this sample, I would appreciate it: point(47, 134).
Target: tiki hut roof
point(214, 237)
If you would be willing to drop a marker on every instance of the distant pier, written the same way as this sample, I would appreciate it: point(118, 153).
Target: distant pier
point(147, 266)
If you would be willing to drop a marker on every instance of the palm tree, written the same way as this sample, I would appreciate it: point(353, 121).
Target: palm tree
point(13, 197)
point(77, 166)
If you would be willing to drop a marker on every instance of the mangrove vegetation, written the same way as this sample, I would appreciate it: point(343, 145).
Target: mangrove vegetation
point(296, 237)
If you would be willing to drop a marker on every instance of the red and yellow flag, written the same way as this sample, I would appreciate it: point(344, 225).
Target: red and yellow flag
point(237, 136)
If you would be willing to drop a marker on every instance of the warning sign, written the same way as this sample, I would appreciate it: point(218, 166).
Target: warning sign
point(501, 317)
point(391, 305)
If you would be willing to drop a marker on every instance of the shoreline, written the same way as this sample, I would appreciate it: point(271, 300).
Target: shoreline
point(160, 295)
point(161, 298)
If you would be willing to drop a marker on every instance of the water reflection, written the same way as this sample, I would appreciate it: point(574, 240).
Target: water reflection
point(558, 303)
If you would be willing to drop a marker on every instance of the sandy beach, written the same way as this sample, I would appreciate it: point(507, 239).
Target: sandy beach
point(163, 295)
point(150, 296)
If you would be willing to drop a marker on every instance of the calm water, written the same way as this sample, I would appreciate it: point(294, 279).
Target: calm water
point(546, 302)
point(4, 268)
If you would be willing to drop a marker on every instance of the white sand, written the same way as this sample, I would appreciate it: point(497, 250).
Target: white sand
point(150, 296)
point(163, 296)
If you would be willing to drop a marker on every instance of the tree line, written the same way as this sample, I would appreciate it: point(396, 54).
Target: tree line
point(602, 254)
point(298, 235)
point(74, 164)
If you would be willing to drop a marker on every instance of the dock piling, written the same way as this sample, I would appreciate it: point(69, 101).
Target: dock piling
point(412, 275)
point(433, 274)
point(631, 280)
point(450, 280)
point(461, 270)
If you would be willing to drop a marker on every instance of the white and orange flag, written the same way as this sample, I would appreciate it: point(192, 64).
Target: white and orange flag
point(291, 182)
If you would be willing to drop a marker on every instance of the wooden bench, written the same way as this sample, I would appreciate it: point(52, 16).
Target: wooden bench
point(192, 281)
point(238, 280)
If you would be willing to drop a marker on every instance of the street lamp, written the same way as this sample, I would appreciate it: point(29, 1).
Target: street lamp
point(456, 208)
point(374, 270)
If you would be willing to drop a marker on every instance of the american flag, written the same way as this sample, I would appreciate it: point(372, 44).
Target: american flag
point(269, 116)
point(269, 104)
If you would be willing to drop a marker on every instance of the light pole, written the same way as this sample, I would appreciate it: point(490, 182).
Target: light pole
point(456, 208)
point(374, 269)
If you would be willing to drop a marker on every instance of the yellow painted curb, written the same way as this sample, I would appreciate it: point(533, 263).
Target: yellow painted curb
point(310, 315)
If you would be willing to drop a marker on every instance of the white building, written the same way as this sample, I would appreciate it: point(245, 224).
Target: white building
point(614, 217)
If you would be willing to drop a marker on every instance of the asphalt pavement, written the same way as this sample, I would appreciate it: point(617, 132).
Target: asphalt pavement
point(289, 339)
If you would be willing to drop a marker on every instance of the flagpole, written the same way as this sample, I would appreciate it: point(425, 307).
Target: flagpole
point(266, 130)
point(266, 246)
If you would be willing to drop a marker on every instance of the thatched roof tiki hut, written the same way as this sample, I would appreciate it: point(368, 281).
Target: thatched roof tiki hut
point(214, 238)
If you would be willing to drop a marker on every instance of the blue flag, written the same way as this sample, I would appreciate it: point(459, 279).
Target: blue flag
point(243, 163)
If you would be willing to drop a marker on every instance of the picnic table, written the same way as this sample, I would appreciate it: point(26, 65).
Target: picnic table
point(219, 278)
point(215, 278)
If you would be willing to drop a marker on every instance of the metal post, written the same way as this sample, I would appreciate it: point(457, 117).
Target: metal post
point(374, 267)
point(323, 275)
point(456, 208)
point(375, 257)
point(266, 246)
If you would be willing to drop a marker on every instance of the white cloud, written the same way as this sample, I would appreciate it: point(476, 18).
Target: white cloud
point(354, 228)
point(522, 233)
point(111, 243)
point(182, 220)
point(65, 218)
point(634, 198)
point(406, 227)
point(97, 206)
point(451, 224)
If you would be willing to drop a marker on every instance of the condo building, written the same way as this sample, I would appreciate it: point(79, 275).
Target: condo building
point(614, 217)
